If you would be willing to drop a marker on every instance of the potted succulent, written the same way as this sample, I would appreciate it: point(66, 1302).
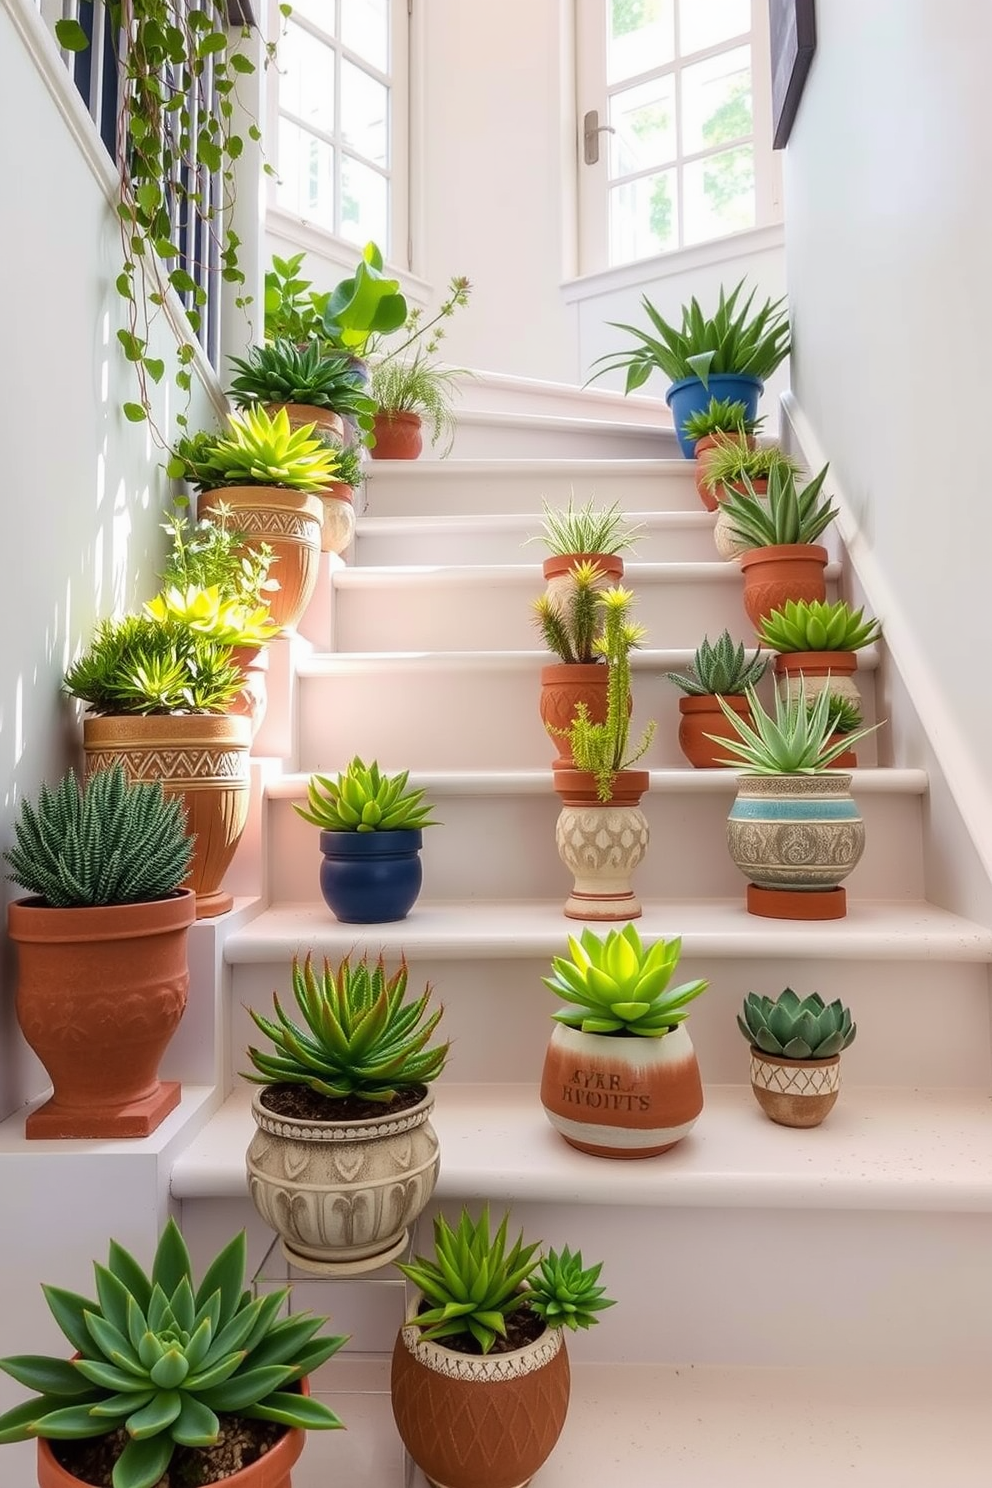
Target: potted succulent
point(721, 670)
point(783, 559)
point(571, 622)
point(159, 692)
point(796, 1044)
point(602, 834)
point(371, 836)
point(345, 1158)
point(794, 830)
point(170, 1381)
point(820, 641)
point(480, 1376)
point(723, 421)
point(314, 388)
point(585, 534)
point(102, 975)
point(620, 1075)
point(270, 475)
point(726, 356)
point(728, 465)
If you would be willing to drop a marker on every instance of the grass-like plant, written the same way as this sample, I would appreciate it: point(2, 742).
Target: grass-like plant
point(160, 1359)
point(415, 386)
point(796, 1028)
point(786, 515)
point(475, 1281)
point(729, 463)
point(214, 552)
point(107, 842)
point(211, 615)
point(620, 986)
point(572, 623)
point(282, 373)
point(732, 340)
point(360, 1037)
point(586, 529)
point(794, 740)
point(721, 416)
point(258, 450)
point(141, 665)
point(813, 625)
point(350, 466)
point(723, 667)
point(363, 799)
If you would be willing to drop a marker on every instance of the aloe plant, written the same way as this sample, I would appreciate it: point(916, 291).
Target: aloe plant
point(143, 665)
point(794, 740)
point(796, 1028)
point(722, 667)
point(786, 515)
point(812, 625)
point(620, 986)
point(283, 373)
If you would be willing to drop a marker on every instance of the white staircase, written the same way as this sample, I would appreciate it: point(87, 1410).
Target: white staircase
point(792, 1305)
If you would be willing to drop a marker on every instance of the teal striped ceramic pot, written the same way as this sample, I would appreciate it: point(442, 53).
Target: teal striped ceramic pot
point(795, 831)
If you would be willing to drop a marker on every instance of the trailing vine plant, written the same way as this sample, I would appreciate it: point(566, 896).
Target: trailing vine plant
point(178, 67)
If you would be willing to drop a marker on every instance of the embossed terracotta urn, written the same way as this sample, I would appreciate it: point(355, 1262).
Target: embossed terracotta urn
point(341, 1194)
point(563, 686)
point(785, 571)
point(794, 1092)
point(601, 843)
point(290, 522)
point(796, 838)
point(479, 1420)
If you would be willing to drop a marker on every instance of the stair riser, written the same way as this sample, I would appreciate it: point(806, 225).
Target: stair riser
point(499, 1014)
point(439, 714)
point(503, 847)
point(690, 541)
point(443, 488)
point(478, 440)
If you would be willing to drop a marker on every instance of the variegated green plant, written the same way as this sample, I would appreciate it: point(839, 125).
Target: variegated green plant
point(620, 986)
point(796, 1028)
point(364, 799)
point(816, 625)
point(784, 516)
point(143, 665)
point(722, 667)
point(794, 740)
point(585, 529)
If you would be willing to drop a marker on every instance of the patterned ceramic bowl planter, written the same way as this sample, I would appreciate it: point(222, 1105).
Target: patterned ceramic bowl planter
point(796, 838)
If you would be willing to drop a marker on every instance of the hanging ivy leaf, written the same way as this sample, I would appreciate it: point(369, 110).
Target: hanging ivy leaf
point(71, 35)
point(134, 413)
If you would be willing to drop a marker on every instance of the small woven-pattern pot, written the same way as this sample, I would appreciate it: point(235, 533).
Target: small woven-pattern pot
point(601, 843)
point(794, 1092)
point(290, 522)
point(797, 832)
point(786, 571)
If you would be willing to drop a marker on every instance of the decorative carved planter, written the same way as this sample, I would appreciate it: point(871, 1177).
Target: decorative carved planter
point(290, 522)
point(601, 844)
point(563, 687)
point(621, 1097)
point(398, 436)
point(795, 838)
point(788, 571)
point(338, 525)
point(202, 757)
point(100, 992)
point(794, 1092)
point(702, 716)
point(831, 669)
point(479, 1421)
point(340, 1194)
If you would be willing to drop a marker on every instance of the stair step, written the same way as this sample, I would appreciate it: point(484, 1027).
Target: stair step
point(437, 487)
point(486, 434)
point(665, 537)
point(497, 841)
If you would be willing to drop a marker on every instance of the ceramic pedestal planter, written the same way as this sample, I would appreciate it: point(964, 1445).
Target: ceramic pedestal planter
point(689, 396)
point(290, 522)
point(795, 838)
point(563, 687)
point(701, 716)
point(202, 757)
point(794, 1092)
point(787, 571)
point(252, 701)
point(340, 1194)
point(831, 669)
point(601, 844)
point(328, 426)
point(338, 525)
point(100, 992)
point(479, 1421)
point(398, 436)
point(371, 878)
point(621, 1097)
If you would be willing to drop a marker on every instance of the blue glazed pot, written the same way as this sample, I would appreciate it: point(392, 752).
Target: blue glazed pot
point(369, 878)
point(689, 396)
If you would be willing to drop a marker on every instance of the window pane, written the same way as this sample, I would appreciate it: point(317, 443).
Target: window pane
point(306, 175)
point(364, 203)
point(306, 82)
point(641, 36)
point(643, 217)
point(716, 100)
point(365, 29)
point(705, 23)
point(364, 113)
point(644, 120)
point(321, 12)
point(718, 194)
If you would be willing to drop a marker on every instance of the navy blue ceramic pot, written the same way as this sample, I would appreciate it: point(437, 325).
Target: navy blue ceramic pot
point(690, 396)
point(368, 878)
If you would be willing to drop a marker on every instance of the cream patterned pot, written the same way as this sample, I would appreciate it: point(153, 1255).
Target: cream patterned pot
point(794, 1092)
point(795, 831)
point(601, 844)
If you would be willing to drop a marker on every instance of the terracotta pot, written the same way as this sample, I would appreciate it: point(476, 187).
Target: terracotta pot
point(341, 1194)
point(338, 525)
point(290, 522)
point(252, 701)
point(787, 571)
point(621, 1097)
point(601, 843)
point(832, 669)
point(329, 426)
point(558, 571)
point(703, 455)
point(202, 757)
point(794, 1092)
point(479, 1421)
point(795, 833)
point(398, 436)
point(846, 761)
point(701, 716)
point(100, 992)
point(563, 687)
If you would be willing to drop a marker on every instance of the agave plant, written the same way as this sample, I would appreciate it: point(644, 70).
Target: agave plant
point(795, 740)
point(157, 1358)
point(360, 1037)
point(213, 616)
point(475, 1282)
point(585, 529)
point(720, 416)
point(363, 799)
point(571, 624)
point(721, 668)
point(812, 625)
point(257, 451)
point(143, 665)
point(796, 1028)
point(282, 373)
point(786, 515)
point(620, 986)
point(107, 842)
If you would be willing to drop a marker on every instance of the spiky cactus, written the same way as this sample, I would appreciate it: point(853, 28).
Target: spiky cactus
point(794, 740)
point(796, 1028)
point(786, 515)
point(601, 748)
point(570, 625)
point(721, 669)
point(110, 843)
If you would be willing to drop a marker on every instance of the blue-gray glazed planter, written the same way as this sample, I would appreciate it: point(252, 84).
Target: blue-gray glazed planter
point(795, 831)
point(690, 396)
point(369, 878)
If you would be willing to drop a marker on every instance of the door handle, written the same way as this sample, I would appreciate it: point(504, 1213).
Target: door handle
point(591, 130)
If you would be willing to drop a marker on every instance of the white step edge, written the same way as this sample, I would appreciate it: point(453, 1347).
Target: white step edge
point(505, 392)
point(566, 423)
point(443, 575)
point(917, 1150)
point(334, 663)
point(873, 930)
